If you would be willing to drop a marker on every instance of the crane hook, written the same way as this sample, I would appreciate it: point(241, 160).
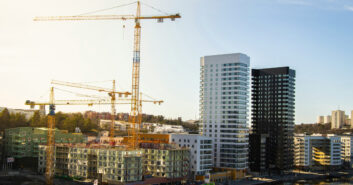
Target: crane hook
point(123, 31)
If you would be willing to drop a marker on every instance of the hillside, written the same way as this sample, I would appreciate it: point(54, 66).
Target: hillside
point(319, 129)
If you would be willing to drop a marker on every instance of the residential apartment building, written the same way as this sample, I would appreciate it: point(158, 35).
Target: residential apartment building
point(119, 125)
point(201, 149)
point(338, 119)
point(165, 160)
point(224, 99)
point(24, 141)
point(114, 165)
point(119, 164)
point(327, 119)
point(347, 150)
point(273, 100)
point(320, 119)
point(317, 151)
point(323, 119)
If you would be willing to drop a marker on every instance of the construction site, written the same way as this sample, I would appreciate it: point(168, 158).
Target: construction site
point(117, 164)
point(137, 158)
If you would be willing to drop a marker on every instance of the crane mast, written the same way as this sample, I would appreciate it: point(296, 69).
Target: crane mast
point(112, 125)
point(49, 171)
point(135, 80)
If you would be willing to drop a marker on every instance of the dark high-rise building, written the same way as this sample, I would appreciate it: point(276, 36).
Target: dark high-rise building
point(271, 140)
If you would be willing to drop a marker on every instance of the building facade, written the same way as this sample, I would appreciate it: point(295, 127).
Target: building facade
point(201, 149)
point(347, 150)
point(320, 119)
point(113, 165)
point(327, 119)
point(273, 102)
point(224, 99)
point(317, 152)
point(258, 145)
point(165, 160)
point(338, 119)
point(24, 141)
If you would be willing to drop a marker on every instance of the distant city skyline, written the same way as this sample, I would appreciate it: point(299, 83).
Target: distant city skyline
point(311, 36)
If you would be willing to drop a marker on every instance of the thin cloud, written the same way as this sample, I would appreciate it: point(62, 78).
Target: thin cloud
point(321, 4)
point(349, 8)
point(296, 2)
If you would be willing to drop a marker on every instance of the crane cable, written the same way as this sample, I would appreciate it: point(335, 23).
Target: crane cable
point(152, 7)
point(81, 95)
point(105, 9)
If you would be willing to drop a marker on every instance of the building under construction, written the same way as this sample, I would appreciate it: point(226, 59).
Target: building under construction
point(24, 141)
point(118, 164)
point(166, 160)
point(110, 164)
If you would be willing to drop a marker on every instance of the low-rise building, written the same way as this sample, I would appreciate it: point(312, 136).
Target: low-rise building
point(119, 164)
point(61, 159)
point(162, 128)
point(165, 160)
point(347, 150)
point(317, 151)
point(149, 138)
point(24, 141)
point(106, 140)
point(119, 125)
point(201, 151)
point(113, 164)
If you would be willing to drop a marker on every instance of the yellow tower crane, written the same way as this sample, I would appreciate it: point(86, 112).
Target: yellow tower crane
point(111, 92)
point(112, 101)
point(135, 99)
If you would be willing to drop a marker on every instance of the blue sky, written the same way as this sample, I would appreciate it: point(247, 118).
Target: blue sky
point(314, 37)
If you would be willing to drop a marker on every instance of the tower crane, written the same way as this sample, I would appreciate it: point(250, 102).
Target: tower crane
point(49, 170)
point(111, 92)
point(112, 101)
point(135, 99)
point(49, 173)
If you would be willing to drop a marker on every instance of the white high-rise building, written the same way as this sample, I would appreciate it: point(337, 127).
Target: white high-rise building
point(327, 119)
point(320, 119)
point(338, 119)
point(224, 100)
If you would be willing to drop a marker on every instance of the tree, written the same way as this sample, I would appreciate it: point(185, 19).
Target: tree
point(18, 120)
point(35, 120)
point(60, 119)
point(4, 119)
